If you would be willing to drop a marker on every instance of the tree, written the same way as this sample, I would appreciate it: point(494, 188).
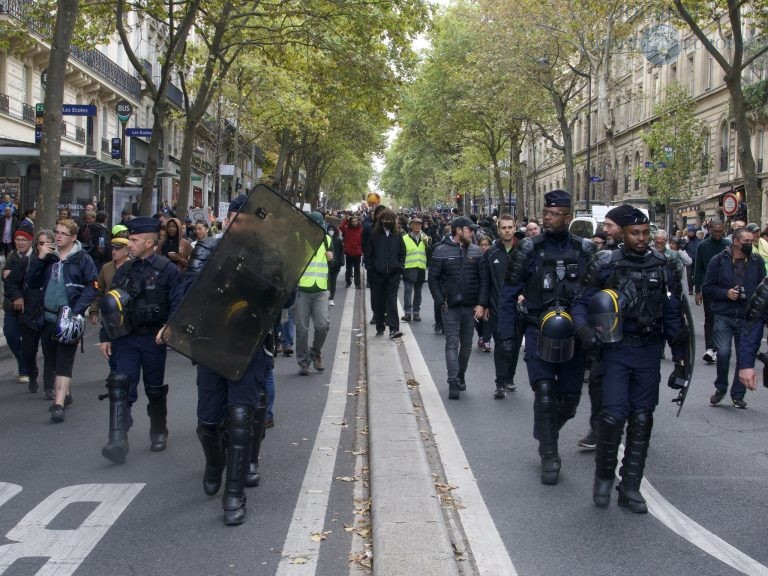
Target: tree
point(675, 141)
point(734, 60)
point(50, 143)
point(179, 16)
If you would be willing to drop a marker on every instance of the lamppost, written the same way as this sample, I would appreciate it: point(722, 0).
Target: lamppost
point(589, 137)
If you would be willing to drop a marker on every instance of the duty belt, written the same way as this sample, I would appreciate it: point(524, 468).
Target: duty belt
point(636, 340)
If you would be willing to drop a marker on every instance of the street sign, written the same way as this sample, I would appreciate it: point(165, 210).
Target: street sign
point(730, 204)
point(669, 152)
point(138, 132)
point(39, 113)
point(124, 110)
point(596, 179)
point(648, 164)
point(117, 148)
point(662, 164)
point(78, 109)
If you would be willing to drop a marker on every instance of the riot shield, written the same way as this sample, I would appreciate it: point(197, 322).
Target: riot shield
point(239, 294)
point(683, 384)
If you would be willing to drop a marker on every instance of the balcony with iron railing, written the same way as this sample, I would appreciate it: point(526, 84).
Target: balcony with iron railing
point(93, 59)
point(759, 165)
point(175, 95)
point(80, 134)
point(106, 146)
point(5, 103)
point(28, 113)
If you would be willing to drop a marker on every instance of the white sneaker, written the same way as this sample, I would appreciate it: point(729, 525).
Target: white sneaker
point(23, 379)
point(710, 356)
point(331, 303)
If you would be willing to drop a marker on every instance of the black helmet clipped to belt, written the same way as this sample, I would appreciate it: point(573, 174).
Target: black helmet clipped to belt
point(556, 336)
point(604, 312)
point(114, 314)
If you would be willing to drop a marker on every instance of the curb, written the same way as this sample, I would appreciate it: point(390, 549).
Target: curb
point(409, 532)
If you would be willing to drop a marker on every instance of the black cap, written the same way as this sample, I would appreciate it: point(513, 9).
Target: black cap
point(463, 221)
point(520, 233)
point(633, 218)
point(616, 214)
point(557, 199)
point(143, 225)
point(237, 204)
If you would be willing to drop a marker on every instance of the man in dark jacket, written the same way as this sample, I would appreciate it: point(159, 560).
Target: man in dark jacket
point(458, 280)
point(690, 248)
point(506, 351)
point(704, 253)
point(384, 263)
point(731, 279)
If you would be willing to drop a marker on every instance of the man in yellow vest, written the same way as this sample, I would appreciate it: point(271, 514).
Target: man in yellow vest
point(312, 303)
point(414, 274)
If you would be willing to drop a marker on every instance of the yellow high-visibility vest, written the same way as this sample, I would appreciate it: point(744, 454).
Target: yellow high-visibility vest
point(415, 254)
point(316, 273)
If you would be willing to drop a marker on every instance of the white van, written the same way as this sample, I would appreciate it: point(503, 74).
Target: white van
point(585, 226)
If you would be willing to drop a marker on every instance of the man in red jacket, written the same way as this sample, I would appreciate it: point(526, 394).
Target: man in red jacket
point(352, 231)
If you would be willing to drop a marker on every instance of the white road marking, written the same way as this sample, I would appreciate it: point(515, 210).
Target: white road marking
point(66, 549)
point(484, 539)
point(309, 514)
point(8, 491)
point(695, 533)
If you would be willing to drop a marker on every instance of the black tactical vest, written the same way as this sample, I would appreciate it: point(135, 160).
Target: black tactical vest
point(150, 301)
point(648, 275)
point(557, 276)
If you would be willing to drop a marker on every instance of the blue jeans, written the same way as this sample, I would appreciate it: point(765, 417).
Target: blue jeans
point(726, 330)
point(12, 332)
point(459, 326)
point(287, 330)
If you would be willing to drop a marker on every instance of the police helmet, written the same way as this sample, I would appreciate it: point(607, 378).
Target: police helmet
point(556, 336)
point(113, 308)
point(604, 311)
point(69, 326)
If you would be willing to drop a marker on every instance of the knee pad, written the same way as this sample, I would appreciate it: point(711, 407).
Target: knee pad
point(545, 398)
point(567, 404)
point(641, 422)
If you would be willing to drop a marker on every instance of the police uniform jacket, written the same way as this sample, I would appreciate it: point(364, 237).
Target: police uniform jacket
point(167, 279)
point(458, 274)
point(80, 276)
point(666, 321)
point(721, 277)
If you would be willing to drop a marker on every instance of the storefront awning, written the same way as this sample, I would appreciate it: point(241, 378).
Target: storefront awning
point(90, 164)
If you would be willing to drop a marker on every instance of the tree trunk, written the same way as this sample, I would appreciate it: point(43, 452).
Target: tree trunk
point(157, 139)
point(744, 150)
point(282, 160)
point(47, 199)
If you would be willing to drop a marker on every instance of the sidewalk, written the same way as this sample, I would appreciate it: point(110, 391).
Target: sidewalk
point(410, 534)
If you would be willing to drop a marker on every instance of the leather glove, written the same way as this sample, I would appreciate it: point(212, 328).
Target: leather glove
point(678, 376)
point(588, 338)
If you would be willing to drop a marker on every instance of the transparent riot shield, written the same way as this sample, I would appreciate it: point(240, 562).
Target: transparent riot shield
point(240, 292)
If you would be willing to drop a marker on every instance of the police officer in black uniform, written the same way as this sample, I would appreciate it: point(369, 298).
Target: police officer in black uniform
point(151, 283)
point(545, 270)
point(231, 413)
point(635, 298)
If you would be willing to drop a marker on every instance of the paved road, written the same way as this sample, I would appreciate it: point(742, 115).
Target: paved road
point(63, 506)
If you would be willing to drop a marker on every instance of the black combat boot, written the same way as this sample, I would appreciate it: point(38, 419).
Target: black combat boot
point(157, 412)
point(117, 392)
point(212, 441)
point(259, 426)
point(566, 407)
point(238, 459)
point(633, 464)
point(609, 431)
point(545, 428)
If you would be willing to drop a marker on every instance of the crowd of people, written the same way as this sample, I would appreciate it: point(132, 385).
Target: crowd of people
point(600, 310)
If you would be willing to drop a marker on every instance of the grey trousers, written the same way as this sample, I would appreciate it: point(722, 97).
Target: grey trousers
point(459, 328)
point(314, 306)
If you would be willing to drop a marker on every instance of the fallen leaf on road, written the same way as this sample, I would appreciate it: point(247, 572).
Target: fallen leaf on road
point(319, 536)
point(345, 478)
point(299, 560)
